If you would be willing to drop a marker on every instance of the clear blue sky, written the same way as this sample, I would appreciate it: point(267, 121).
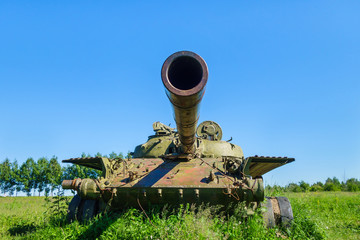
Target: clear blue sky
point(85, 77)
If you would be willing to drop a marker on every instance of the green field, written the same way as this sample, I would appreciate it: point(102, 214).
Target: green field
point(324, 215)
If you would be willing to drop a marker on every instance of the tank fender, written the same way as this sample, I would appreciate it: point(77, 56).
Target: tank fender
point(99, 163)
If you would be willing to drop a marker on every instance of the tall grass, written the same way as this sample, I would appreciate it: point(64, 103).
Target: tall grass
point(337, 214)
point(317, 216)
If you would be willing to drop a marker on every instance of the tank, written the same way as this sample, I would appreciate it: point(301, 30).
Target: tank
point(187, 165)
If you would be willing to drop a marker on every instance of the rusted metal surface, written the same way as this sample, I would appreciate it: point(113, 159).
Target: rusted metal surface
point(68, 184)
point(167, 173)
point(71, 184)
point(160, 181)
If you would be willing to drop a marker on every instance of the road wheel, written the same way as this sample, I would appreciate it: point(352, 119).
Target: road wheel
point(89, 210)
point(73, 209)
point(278, 212)
point(286, 213)
point(269, 214)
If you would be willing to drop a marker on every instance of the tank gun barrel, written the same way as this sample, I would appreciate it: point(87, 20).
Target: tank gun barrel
point(184, 75)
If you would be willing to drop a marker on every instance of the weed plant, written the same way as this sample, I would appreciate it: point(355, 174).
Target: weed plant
point(56, 208)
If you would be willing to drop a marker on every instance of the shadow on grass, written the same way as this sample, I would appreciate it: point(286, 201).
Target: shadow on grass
point(353, 227)
point(22, 229)
point(98, 225)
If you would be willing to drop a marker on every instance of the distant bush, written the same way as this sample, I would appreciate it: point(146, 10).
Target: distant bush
point(316, 187)
point(305, 187)
point(352, 185)
point(293, 187)
point(331, 184)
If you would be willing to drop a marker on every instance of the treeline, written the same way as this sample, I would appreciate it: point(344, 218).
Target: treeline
point(331, 184)
point(44, 175)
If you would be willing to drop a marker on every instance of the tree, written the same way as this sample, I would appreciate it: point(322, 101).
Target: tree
point(84, 155)
point(27, 173)
point(113, 155)
point(352, 185)
point(317, 187)
point(14, 176)
point(332, 184)
point(304, 186)
point(25, 178)
point(41, 174)
point(293, 187)
point(54, 174)
point(17, 176)
point(5, 176)
point(76, 171)
point(2, 180)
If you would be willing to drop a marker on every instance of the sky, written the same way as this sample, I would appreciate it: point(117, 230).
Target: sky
point(84, 76)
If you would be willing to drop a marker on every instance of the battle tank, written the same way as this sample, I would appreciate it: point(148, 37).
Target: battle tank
point(189, 166)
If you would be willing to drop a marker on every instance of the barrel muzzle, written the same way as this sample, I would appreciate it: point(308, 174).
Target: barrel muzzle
point(184, 75)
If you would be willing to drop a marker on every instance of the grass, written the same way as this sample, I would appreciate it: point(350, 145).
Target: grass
point(331, 215)
point(336, 213)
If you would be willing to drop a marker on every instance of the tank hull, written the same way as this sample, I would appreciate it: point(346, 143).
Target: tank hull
point(158, 181)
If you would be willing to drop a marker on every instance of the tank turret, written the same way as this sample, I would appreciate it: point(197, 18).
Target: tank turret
point(184, 75)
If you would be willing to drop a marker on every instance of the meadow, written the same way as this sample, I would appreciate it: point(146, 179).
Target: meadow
point(318, 215)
